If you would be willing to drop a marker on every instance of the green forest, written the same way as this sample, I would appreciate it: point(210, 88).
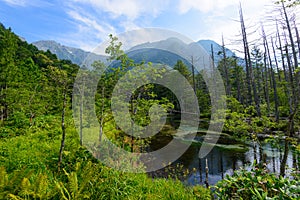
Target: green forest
point(42, 155)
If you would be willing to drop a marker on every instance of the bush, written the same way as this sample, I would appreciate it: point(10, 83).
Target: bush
point(257, 184)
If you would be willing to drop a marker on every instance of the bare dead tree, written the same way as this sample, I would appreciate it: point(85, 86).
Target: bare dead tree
point(286, 77)
point(228, 87)
point(251, 82)
point(267, 50)
point(266, 85)
point(275, 58)
point(246, 52)
point(289, 29)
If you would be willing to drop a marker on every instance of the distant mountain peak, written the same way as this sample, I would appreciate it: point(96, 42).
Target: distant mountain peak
point(217, 48)
point(76, 55)
point(139, 52)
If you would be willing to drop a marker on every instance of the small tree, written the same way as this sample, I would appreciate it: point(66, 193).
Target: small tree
point(61, 82)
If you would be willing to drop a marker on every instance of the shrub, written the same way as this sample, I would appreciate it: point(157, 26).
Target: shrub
point(257, 184)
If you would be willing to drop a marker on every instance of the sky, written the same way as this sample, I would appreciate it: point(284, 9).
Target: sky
point(86, 23)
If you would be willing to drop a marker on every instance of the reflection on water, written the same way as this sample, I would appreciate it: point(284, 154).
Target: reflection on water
point(222, 161)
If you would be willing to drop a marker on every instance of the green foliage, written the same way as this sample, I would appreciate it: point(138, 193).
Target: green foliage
point(243, 122)
point(201, 193)
point(236, 123)
point(257, 184)
point(26, 84)
point(25, 184)
point(182, 68)
point(77, 185)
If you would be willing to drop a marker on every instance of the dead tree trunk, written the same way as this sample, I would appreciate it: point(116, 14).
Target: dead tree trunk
point(225, 68)
point(193, 75)
point(286, 76)
point(275, 58)
point(249, 94)
point(273, 79)
point(288, 26)
point(298, 37)
point(251, 81)
point(291, 130)
point(266, 86)
point(238, 83)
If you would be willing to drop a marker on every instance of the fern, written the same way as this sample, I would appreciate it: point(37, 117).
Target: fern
point(73, 185)
point(25, 187)
point(41, 187)
point(3, 182)
point(3, 177)
point(22, 184)
point(11, 185)
point(63, 190)
point(14, 197)
point(77, 187)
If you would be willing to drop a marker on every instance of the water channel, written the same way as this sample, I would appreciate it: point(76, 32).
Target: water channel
point(226, 156)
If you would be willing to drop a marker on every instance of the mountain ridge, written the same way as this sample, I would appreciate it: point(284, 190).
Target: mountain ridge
point(77, 55)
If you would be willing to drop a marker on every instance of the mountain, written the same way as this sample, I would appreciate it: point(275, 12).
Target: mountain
point(63, 52)
point(166, 51)
point(174, 43)
point(207, 44)
point(155, 55)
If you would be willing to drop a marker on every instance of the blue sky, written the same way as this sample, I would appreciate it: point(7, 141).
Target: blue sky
point(86, 23)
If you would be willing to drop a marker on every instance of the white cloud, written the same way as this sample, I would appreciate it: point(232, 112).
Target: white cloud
point(16, 2)
point(206, 6)
point(90, 30)
point(132, 9)
point(26, 3)
point(96, 19)
point(89, 22)
point(222, 17)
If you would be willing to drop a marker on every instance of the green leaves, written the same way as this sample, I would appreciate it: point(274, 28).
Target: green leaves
point(257, 184)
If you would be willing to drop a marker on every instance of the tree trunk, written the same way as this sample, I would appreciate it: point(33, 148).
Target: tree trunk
point(249, 94)
point(276, 61)
point(257, 74)
point(298, 37)
point(293, 98)
point(193, 75)
point(285, 156)
point(101, 130)
point(63, 128)
point(273, 80)
point(266, 86)
point(251, 81)
point(80, 120)
point(206, 174)
point(5, 112)
point(225, 68)
point(238, 83)
point(2, 105)
point(286, 76)
point(101, 117)
point(287, 21)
